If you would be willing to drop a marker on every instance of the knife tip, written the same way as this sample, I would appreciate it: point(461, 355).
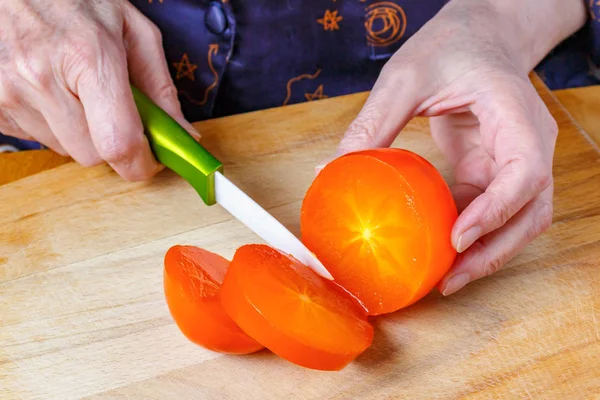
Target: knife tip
point(320, 269)
point(327, 276)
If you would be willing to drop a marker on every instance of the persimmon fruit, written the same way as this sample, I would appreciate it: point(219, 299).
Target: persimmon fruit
point(192, 278)
point(380, 221)
point(292, 311)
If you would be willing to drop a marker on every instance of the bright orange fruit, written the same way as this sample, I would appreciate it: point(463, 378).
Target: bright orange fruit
point(292, 311)
point(380, 221)
point(192, 282)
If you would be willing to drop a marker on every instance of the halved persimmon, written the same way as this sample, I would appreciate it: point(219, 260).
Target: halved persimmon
point(380, 221)
point(192, 281)
point(292, 311)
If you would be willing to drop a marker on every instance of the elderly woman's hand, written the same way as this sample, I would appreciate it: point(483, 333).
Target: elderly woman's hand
point(467, 69)
point(65, 80)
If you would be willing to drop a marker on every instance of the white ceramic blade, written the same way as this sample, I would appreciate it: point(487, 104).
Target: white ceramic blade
point(241, 206)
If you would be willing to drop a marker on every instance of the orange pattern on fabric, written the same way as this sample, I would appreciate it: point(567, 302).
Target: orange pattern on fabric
point(330, 20)
point(317, 95)
point(385, 23)
point(185, 69)
point(213, 49)
point(296, 79)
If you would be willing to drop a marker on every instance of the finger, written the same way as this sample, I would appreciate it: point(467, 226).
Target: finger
point(19, 117)
point(392, 102)
point(10, 101)
point(113, 120)
point(522, 150)
point(520, 134)
point(9, 127)
point(456, 134)
point(464, 194)
point(33, 125)
point(148, 65)
point(66, 118)
point(9, 130)
point(493, 251)
point(517, 182)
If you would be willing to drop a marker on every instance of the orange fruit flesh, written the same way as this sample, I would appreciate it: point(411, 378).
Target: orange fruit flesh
point(437, 200)
point(192, 280)
point(292, 311)
point(369, 218)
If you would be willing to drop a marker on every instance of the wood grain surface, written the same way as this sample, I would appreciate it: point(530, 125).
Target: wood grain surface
point(83, 315)
point(584, 106)
point(18, 165)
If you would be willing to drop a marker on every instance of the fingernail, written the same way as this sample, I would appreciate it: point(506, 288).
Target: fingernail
point(468, 238)
point(456, 283)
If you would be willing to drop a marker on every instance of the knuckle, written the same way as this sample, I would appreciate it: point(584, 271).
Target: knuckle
point(361, 132)
point(81, 55)
point(35, 71)
point(168, 91)
point(497, 210)
point(541, 178)
point(117, 147)
point(154, 32)
point(542, 221)
point(89, 52)
point(83, 50)
point(111, 151)
point(398, 74)
point(492, 266)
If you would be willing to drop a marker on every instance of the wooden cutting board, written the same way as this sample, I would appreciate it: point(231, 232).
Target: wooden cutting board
point(82, 312)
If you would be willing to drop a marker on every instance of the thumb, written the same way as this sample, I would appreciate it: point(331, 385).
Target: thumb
point(393, 102)
point(148, 66)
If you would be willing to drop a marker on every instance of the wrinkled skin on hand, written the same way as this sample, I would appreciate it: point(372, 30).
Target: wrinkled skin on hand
point(65, 75)
point(467, 69)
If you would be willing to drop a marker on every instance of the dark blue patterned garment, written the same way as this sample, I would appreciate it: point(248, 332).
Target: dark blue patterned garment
point(234, 56)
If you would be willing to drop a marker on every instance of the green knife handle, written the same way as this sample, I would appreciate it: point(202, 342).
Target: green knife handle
point(176, 149)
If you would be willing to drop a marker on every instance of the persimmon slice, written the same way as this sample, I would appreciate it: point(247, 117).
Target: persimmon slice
point(292, 311)
point(380, 221)
point(192, 282)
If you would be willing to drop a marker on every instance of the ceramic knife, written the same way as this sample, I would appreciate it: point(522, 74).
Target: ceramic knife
point(177, 150)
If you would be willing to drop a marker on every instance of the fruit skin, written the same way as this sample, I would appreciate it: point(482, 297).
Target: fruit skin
point(371, 185)
point(286, 335)
point(192, 278)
